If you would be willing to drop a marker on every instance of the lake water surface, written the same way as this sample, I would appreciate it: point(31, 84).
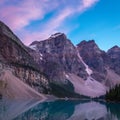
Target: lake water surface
point(58, 110)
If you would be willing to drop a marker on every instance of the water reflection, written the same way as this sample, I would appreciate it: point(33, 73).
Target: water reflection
point(9, 109)
point(59, 110)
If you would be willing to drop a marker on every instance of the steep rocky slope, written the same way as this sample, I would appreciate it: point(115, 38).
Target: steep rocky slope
point(59, 54)
point(114, 54)
point(59, 59)
point(14, 55)
point(105, 69)
point(94, 58)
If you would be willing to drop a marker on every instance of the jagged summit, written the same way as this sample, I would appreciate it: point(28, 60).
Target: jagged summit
point(116, 46)
point(57, 35)
point(91, 43)
point(87, 41)
point(52, 37)
point(55, 41)
point(89, 46)
point(6, 31)
point(60, 35)
point(114, 49)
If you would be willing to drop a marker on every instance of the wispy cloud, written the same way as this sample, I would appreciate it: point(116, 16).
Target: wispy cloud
point(19, 14)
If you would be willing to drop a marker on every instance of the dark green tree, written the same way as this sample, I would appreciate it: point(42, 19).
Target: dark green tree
point(113, 94)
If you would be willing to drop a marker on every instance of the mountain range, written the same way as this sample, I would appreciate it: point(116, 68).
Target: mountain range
point(56, 66)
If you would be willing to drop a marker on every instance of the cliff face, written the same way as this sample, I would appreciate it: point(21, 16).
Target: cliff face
point(95, 58)
point(114, 54)
point(105, 65)
point(57, 54)
point(69, 74)
point(14, 55)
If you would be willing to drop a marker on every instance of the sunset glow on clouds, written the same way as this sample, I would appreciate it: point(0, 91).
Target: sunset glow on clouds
point(38, 19)
point(19, 14)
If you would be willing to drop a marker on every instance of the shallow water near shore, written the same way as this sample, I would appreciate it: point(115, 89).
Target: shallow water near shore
point(58, 110)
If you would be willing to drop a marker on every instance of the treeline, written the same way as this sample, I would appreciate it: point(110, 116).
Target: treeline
point(113, 94)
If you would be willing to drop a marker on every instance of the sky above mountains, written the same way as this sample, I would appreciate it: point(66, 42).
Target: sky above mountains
point(79, 19)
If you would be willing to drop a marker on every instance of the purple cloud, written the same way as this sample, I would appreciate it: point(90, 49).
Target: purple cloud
point(19, 14)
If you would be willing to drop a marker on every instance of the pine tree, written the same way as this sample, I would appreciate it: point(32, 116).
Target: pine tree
point(113, 94)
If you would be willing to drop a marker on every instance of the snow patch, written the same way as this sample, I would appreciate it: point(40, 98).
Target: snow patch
point(48, 48)
point(88, 70)
point(55, 35)
point(41, 56)
point(33, 47)
point(66, 75)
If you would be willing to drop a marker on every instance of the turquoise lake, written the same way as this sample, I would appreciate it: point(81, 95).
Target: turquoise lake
point(58, 110)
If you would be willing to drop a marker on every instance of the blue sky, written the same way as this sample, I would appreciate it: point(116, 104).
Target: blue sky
point(78, 19)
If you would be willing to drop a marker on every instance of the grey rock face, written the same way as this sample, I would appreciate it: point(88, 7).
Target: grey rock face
point(14, 55)
point(114, 54)
point(94, 58)
point(59, 54)
point(92, 55)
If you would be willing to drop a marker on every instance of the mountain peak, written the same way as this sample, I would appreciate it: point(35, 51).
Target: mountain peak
point(54, 41)
point(57, 35)
point(89, 42)
point(114, 49)
point(91, 45)
point(5, 30)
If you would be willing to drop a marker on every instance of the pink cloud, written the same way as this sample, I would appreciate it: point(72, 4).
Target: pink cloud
point(89, 3)
point(49, 28)
point(25, 11)
point(19, 16)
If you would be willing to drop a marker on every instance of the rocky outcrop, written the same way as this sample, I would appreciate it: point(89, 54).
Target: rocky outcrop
point(105, 66)
point(95, 58)
point(59, 54)
point(14, 55)
point(56, 57)
point(114, 54)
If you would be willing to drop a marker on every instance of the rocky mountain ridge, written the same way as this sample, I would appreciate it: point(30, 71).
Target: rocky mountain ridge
point(15, 56)
point(56, 66)
point(83, 61)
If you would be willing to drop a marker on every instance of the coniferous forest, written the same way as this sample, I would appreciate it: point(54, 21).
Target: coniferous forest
point(113, 94)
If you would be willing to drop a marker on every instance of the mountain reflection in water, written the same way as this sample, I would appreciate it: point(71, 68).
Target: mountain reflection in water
point(58, 110)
